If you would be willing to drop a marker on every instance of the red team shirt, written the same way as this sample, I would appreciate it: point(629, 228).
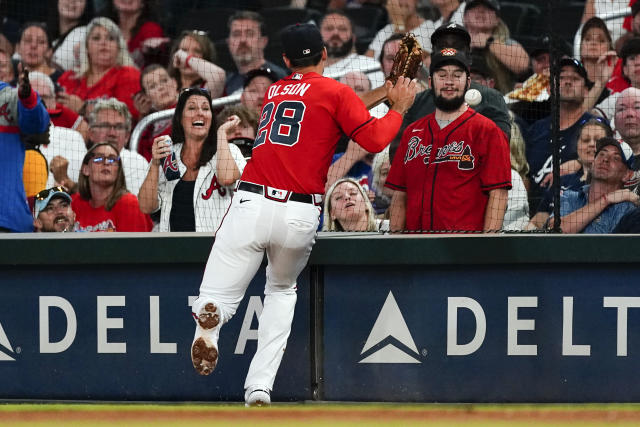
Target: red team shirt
point(302, 118)
point(447, 173)
point(119, 82)
point(124, 216)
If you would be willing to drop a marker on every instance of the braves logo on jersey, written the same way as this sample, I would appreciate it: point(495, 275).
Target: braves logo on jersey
point(456, 151)
point(215, 185)
point(170, 167)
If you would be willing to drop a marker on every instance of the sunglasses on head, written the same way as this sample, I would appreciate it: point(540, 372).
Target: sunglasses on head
point(196, 90)
point(45, 193)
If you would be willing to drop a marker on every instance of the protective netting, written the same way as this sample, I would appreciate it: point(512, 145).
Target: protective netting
point(505, 133)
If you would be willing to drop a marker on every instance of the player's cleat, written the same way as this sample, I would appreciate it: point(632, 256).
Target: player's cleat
point(257, 397)
point(204, 349)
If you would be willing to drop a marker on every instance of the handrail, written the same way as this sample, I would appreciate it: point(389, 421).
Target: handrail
point(219, 102)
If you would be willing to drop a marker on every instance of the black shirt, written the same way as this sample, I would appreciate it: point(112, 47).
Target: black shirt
point(182, 216)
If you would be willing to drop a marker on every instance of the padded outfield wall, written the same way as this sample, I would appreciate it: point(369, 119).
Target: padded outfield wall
point(510, 318)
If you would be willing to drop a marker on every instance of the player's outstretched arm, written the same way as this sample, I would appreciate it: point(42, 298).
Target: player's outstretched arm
point(398, 212)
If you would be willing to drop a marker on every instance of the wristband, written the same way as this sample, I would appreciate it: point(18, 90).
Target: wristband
point(186, 61)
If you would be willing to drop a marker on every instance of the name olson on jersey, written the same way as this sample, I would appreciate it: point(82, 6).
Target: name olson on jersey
point(290, 89)
point(456, 151)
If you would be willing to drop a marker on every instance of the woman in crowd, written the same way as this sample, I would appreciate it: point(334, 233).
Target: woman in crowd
point(505, 57)
point(382, 199)
point(192, 63)
point(598, 57)
point(34, 49)
point(102, 202)
point(106, 69)
point(138, 24)
point(67, 25)
point(159, 92)
point(575, 173)
point(347, 208)
point(191, 180)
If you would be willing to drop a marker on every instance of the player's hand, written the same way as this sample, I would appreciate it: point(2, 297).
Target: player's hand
point(402, 94)
point(229, 126)
point(24, 86)
point(160, 149)
point(623, 195)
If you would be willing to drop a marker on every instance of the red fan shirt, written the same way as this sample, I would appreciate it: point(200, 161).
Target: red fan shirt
point(124, 216)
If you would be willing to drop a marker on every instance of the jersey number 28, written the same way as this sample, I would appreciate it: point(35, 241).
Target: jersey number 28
point(285, 128)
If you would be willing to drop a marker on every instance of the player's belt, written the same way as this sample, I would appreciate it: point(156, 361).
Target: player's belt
point(279, 195)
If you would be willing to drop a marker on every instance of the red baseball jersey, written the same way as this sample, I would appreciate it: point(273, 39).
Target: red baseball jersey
point(124, 216)
point(447, 173)
point(303, 116)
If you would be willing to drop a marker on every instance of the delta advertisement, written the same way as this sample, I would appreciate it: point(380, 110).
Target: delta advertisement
point(124, 333)
point(482, 334)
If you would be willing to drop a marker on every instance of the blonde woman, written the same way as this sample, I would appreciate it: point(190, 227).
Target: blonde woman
point(105, 69)
point(347, 208)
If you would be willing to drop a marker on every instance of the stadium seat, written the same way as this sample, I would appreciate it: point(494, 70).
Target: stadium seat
point(521, 18)
point(367, 21)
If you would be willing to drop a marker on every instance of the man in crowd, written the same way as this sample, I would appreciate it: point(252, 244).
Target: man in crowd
point(21, 111)
point(630, 56)
point(627, 122)
point(110, 121)
point(336, 29)
point(255, 87)
point(52, 211)
point(247, 41)
point(574, 87)
point(452, 170)
point(598, 207)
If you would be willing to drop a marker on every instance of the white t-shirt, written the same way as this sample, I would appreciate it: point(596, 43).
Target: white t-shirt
point(66, 143)
point(355, 62)
point(64, 54)
point(135, 169)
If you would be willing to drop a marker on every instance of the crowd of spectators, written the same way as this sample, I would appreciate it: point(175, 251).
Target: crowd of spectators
point(99, 67)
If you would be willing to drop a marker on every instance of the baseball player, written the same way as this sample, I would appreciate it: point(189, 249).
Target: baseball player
point(452, 169)
point(277, 204)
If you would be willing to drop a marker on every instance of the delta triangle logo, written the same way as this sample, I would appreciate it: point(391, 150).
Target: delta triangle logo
point(4, 342)
point(390, 340)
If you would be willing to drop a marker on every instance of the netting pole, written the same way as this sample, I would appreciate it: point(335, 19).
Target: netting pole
point(556, 56)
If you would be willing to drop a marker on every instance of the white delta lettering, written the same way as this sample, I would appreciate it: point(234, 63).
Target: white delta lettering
point(290, 89)
point(515, 324)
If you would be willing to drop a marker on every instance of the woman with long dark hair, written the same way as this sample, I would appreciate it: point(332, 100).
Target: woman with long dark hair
point(191, 176)
point(102, 202)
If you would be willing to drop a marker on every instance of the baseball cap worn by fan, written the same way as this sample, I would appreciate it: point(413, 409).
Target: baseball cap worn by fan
point(301, 41)
point(45, 196)
point(449, 56)
point(257, 72)
point(491, 4)
point(577, 65)
point(625, 151)
point(451, 35)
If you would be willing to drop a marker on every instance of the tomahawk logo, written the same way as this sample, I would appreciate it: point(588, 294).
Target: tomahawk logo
point(4, 342)
point(390, 340)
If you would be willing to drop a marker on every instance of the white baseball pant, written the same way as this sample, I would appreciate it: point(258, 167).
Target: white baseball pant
point(286, 230)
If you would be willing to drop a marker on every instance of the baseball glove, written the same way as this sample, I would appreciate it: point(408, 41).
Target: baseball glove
point(408, 59)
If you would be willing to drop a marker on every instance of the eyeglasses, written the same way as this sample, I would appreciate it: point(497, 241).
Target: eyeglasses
point(119, 127)
point(45, 193)
point(107, 160)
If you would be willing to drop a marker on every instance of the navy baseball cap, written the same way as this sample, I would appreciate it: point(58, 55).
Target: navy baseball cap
point(630, 47)
point(301, 41)
point(45, 196)
point(491, 4)
point(625, 151)
point(457, 31)
point(576, 65)
point(262, 71)
point(449, 56)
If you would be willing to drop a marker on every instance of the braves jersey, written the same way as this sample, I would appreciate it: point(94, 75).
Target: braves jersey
point(447, 173)
point(302, 118)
